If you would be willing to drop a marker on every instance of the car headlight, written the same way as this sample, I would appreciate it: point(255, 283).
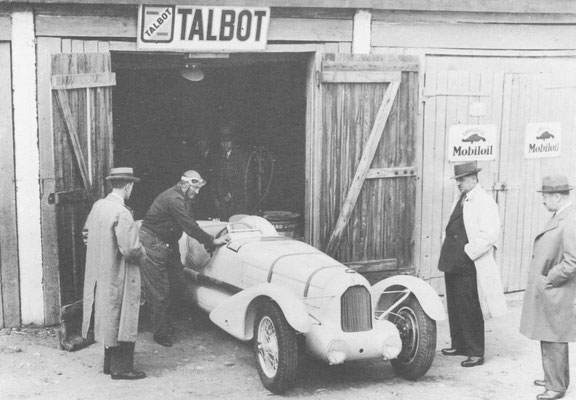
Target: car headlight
point(391, 347)
point(336, 353)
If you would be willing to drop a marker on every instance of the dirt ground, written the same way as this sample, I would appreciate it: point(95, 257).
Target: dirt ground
point(206, 363)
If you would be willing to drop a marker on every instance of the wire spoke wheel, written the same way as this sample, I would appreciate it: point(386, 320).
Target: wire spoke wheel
point(418, 334)
point(267, 347)
point(275, 348)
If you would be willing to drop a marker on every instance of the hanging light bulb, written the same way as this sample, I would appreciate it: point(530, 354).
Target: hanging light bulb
point(192, 73)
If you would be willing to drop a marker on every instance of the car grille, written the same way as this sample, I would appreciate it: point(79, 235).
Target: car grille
point(356, 309)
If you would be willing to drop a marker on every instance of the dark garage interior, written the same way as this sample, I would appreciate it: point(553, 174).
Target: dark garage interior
point(159, 116)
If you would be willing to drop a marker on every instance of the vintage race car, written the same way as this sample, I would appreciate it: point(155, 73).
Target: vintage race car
point(287, 297)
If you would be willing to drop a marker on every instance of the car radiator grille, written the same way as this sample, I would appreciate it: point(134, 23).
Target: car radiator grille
point(356, 308)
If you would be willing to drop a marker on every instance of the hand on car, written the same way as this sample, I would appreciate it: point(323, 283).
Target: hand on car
point(222, 240)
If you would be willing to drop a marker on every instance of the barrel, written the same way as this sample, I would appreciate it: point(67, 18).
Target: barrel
point(287, 223)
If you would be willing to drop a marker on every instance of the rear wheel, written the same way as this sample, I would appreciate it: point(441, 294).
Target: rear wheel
point(275, 348)
point(418, 334)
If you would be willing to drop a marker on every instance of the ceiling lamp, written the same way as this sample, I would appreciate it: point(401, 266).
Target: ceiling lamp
point(192, 73)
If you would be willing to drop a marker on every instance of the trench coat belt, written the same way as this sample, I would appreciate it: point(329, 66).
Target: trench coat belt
point(162, 242)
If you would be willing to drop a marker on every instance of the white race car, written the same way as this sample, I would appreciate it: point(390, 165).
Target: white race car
point(287, 296)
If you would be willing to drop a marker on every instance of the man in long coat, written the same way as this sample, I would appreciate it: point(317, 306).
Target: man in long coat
point(112, 277)
point(548, 313)
point(473, 286)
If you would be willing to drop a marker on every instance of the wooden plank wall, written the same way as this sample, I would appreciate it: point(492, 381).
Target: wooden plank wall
point(382, 222)
point(51, 170)
point(512, 101)
point(529, 29)
point(9, 271)
point(286, 25)
point(531, 97)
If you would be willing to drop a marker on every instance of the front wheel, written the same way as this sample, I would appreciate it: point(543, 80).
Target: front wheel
point(275, 348)
point(418, 334)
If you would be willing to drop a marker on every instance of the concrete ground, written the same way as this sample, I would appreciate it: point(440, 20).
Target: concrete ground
point(206, 363)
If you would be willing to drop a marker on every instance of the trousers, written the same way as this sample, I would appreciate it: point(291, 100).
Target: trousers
point(119, 359)
point(555, 364)
point(465, 314)
point(162, 280)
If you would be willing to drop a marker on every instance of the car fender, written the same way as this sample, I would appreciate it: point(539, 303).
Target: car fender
point(424, 293)
point(236, 315)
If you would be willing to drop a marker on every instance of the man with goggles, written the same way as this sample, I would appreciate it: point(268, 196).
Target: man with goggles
point(170, 214)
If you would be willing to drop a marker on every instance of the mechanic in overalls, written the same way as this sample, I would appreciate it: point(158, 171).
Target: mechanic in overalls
point(169, 215)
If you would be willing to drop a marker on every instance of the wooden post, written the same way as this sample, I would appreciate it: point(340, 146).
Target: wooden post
point(362, 31)
point(27, 166)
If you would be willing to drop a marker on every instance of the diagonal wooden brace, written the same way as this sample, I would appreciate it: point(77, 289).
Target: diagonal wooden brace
point(363, 166)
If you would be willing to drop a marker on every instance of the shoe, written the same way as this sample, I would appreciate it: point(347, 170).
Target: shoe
point(163, 340)
point(472, 361)
point(452, 352)
point(130, 375)
point(539, 382)
point(550, 395)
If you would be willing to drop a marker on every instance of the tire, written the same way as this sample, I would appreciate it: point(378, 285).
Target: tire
point(275, 348)
point(418, 334)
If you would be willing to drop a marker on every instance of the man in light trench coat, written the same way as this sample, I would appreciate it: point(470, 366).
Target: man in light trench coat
point(473, 286)
point(548, 313)
point(112, 277)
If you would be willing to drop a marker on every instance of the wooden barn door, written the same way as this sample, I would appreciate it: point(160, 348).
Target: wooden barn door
point(82, 124)
point(368, 177)
point(530, 97)
point(449, 96)
point(511, 92)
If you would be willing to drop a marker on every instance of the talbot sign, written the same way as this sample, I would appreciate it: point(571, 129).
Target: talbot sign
point(543, 139)
point(203, 28)
point(472, 142)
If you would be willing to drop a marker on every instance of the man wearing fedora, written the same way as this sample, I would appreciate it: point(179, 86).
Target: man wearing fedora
point(548, 313)
point(170, 214)
point(473, 286)
point(112, 277)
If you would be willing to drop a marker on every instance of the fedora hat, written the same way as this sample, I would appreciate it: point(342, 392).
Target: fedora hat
point(555, 184)
point(464, 169)
point(122, 173)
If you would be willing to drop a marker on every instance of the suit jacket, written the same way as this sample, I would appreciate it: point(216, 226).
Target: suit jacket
point(548, 313)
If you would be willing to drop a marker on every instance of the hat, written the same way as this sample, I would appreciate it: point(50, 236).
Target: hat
point(464, 169)
point(555, 184)
point(226, 131)
point(122, 173)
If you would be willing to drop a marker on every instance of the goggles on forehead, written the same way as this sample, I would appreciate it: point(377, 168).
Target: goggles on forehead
point(198, 183)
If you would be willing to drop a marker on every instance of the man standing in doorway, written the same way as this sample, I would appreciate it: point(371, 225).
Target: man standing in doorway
point(548, 313)
point(169, 215)
point(230, 175)
point(112, 277)
point(473, 286)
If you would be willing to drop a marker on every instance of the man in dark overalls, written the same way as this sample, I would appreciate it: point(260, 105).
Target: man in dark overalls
point(169, 215)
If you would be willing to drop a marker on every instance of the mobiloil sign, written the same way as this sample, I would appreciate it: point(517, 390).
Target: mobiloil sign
point(203, 28)
point(471, 142)
point(543, 139)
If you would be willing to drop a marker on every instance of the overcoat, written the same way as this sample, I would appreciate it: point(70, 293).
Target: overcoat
point(482, 224)
point(548, 312)
point(112, 275)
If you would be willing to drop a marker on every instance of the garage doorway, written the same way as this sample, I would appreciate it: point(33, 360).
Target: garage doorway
point(159, 117)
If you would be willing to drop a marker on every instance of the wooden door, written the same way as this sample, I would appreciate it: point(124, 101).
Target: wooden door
point(367, 161)
point(513, 93)
point(82, 125)
point(448, 98)
point(530, 97)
